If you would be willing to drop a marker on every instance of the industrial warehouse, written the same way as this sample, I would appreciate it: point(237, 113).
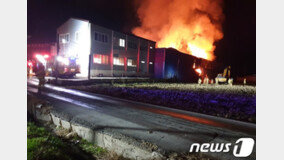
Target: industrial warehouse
point(88, 50)
point(104, 52)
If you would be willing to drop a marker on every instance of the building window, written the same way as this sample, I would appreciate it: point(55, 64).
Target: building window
point(131, 63)
point(132, 45)
point(67, 37)
point(77, 36)
point(61, 37)
point(101, 37)
point(143, 47)
point(96, 36)
point(122, 42)
point(100, 59)
point(118, 61)
point(64, 38)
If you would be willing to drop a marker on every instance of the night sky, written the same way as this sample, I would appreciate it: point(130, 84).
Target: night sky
point(237, 48)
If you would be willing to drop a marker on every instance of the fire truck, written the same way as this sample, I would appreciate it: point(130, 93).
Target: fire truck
point(65, 67)
point(55, 65)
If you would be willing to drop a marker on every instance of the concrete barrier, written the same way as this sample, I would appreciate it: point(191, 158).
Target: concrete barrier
point(120, 144)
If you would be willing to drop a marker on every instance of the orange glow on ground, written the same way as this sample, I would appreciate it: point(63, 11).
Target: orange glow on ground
point(185, 117)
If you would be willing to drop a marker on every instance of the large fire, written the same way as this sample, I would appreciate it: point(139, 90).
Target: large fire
point(190, 26)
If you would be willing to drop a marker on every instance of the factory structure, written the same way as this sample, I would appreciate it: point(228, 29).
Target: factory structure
point(101, 52)
point(85, 49)
point(170, 63)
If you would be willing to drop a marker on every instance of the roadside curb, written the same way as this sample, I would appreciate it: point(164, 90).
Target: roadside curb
point(120, 144)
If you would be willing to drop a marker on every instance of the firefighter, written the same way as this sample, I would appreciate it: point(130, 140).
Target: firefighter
point(227, 72)
point(206, 80)
point(40, 74)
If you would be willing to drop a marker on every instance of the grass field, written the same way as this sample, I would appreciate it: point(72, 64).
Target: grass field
point(212, 88)
point(234, 102)
point(42, 144)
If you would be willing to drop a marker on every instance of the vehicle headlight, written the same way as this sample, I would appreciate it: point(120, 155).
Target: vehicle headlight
point(63, 60)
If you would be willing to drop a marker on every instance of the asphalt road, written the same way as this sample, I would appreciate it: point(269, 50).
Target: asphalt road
point(170, 129)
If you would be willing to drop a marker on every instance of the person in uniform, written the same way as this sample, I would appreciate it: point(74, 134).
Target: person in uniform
point(40, 74)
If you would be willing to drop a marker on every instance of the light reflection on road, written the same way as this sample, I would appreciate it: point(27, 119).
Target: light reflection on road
point(73, 92)
point(70, 100)
point(79, 103)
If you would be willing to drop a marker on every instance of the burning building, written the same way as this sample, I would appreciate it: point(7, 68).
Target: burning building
point(99, 51)
point(191, 27)
point(172, 64)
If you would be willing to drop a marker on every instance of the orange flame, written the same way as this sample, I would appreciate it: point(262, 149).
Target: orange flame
point(190, 26)
point(199, 71)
